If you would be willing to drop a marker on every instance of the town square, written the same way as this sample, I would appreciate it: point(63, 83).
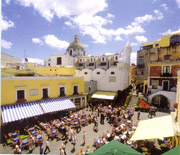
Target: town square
point(90, 77)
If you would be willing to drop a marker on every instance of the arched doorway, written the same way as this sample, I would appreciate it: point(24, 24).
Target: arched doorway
point(161, 102)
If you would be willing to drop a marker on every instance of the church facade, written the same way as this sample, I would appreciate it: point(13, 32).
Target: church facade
point(104, 72)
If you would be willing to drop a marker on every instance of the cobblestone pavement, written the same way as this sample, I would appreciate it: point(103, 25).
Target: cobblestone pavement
point(90, 134)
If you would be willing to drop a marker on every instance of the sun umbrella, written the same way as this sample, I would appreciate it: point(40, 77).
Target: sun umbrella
point(115, 148)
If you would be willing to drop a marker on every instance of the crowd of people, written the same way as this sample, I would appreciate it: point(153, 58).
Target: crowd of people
point(66, 128)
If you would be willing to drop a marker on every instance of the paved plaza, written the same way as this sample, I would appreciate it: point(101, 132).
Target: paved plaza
point(90, 134)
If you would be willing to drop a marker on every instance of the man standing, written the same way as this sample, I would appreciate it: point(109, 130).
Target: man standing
point(138, 115)
point(47, 146)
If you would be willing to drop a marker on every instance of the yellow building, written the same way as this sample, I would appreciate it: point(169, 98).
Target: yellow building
point(165, 49)
point(178, 100)
point(132, 74)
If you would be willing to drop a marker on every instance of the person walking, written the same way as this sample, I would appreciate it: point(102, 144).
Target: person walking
point(138, 115)
point(47, 146)
point(74, 141)
point(84, 137)
point(41, 148)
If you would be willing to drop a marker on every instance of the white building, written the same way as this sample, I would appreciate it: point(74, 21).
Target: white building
point(105, 72)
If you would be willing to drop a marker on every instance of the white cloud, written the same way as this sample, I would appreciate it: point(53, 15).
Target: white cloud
point(54, 42)
point(65, 8)
point(6, 24)
point(110, 15)
point(164, 6)
point(178, 2)
point(83, 15)
point(133, 57)
point(86, 45)
point(118, 38)
point(37, 41)
point(169, 32)
point(35, 60)
point(141, 39)
point(8, 1)
point(6, 44)
point(134, 44)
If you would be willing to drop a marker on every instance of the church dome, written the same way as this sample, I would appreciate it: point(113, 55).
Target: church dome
point(76, 48)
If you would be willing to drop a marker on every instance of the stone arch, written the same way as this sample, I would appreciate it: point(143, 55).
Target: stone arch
point(161, 102)
point(171, 96)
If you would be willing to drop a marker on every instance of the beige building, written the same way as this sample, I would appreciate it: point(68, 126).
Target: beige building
point(7, 61)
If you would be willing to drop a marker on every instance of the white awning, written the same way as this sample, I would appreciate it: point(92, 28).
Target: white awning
point(104, 95)
point(54, 105)
point(20, 111)
point(154, 128)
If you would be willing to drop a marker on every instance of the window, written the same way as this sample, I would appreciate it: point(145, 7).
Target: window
point(55, 69)
point(80, 60)
point(20, 95)
point(92, 59)
point(85, 73)
point(112, 73)
point(157, 45)
point(166, 69)
point(98, 73)
point(70, 52)
point(62, 91)
point(59, 59)
point(77, 102)
point(103, 59)
point(49, 64)
point(175, 39)
point(167, 57)
point(75, 90)
point(155, 84)
point(89, 88)
point(141, 61)
point(142, 73)
point(45, 93)
point(112, 79)
point(116, 58)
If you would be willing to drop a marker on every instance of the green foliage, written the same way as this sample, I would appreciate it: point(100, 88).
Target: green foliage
point(128, 100)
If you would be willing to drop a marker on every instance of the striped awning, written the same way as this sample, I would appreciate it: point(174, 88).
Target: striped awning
point(54, 105)
point(20, 111)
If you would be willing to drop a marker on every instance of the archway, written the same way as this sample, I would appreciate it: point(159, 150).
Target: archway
point(161, 102)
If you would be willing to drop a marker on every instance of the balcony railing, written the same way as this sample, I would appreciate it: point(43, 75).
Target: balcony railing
point(166, 75)
point(75, 93)
point(103, 64)
point(21, 100)
point(91, 64)
point(140, 65)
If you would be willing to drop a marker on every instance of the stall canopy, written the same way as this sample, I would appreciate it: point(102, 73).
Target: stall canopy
point(59, 104)
point(104, 95)
point(20, 111)
point(115, 148)
point(154, 128)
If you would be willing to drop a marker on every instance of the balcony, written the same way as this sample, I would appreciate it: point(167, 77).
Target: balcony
point(140, 65)
point(166, 75)
point(75, 93)
point(21, 100)
point(103, 64)
point(91, 64)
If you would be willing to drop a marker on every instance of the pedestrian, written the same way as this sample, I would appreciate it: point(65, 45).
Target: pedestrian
point(84, 137)
point(63, 147)
point(138, 115)
point(47, 146)
point(17, 150)
point(74, 141)
point(61, 151)
point(41, 148)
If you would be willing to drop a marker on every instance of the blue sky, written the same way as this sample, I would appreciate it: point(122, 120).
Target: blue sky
point(39, 28)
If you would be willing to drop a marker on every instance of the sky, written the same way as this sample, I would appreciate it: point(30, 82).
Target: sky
point(37, 28)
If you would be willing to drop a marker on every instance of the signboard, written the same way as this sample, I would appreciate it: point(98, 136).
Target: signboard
point(33, 92)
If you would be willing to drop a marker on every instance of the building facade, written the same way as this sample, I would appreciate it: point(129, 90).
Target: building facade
point(164, 50)
point(97, 70)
